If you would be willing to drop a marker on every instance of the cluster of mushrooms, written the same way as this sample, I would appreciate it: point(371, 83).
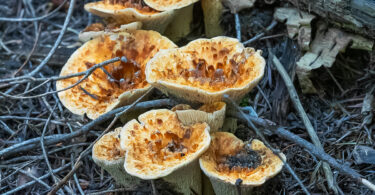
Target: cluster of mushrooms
point(176, 145)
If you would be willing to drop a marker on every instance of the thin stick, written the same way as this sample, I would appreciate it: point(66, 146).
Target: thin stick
point(153, 186)
point(2, 19)
point(87, 74)
point(13, 191)
point(238, 26)
point(43, 147)
point(260, 35)
point(306, 121)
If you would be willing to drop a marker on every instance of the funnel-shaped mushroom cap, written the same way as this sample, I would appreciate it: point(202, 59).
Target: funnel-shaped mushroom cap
point(107, 150)
point(212, 114)
point(161, 144)
point(98, 29)
point(126, 11)
point(100, 92)
point(228, 159)
point(206, 69)
point(165, 5)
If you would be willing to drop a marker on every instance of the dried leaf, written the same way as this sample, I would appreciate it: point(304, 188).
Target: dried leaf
point(237, 5)
point(293, 18)
point(323, 51)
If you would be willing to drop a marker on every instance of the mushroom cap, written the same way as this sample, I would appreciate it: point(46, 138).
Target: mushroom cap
point(213, 114)
point(128, 12)
point(226, 144)
point(98, 29)
point(99, 93)
point(107, 151)
point(206, 69)
point(161, 144)
point(165, 5)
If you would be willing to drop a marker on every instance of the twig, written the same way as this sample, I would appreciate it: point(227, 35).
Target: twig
point(75, 176)
point(33, 182)
point(238, 26)
point(78, 163)
point(43, 147)
point(30, 54)
point(258, 36)
point(34, 178)
point(298, 106)
point(86, 75)
point(153, 187)
point(2, 19)
point(58, 40)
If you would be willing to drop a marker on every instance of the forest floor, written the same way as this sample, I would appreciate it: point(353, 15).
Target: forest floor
point(335, 111)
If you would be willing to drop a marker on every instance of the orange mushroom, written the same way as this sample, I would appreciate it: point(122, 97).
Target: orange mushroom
point(206, 69)
point(233, 165)
point(98, 29)
point(121, 83)
point(160, 146)
point(127, 11)
point(107, 153)
point(213, 114)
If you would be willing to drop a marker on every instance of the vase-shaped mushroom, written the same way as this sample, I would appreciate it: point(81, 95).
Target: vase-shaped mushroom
point(235, 167)
point(127, 11)
point(159, 146)
point(117, 84)
point(213, 114)
point(98, 29)
point(206, 69)
point(108, 154)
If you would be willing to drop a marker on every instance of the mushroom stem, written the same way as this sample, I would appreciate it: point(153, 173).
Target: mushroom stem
point(222, 188)
point(212, 11)
point(186, 180)
point(180, 25)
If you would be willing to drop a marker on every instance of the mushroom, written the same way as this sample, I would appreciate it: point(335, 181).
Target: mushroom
point(180, 25)
point(160, 146)
point(118, 83)
point(166, 5)
point(234, 166)
point(212, 11)
point(213, 114)
point(98, 29)
point(206, 69)
point(127, 11)
point(107, 154)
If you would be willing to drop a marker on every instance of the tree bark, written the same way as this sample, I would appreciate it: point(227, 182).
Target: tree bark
point(357, 16)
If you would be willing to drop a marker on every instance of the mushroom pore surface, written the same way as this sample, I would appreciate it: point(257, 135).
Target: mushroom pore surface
point(229, 159)
point(161, 142)
point(212, 107)
point(139, 5)
point(211, 65)
point(108, 148)
point(100, 90)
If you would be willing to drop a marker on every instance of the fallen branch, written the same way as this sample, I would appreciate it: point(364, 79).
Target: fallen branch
point(306, 121)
